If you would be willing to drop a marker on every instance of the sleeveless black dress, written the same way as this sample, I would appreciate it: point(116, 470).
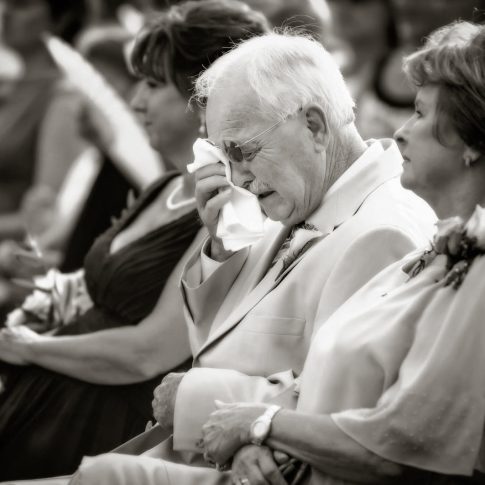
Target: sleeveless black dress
point(49, 421)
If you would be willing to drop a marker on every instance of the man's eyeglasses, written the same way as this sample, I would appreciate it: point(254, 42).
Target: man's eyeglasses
point(234, 150)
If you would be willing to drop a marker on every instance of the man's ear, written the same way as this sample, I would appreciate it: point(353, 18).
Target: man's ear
point(316, 122)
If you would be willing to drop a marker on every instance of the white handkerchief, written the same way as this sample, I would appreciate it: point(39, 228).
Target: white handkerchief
point(240, 221)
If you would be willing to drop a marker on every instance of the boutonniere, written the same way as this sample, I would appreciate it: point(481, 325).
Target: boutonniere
point(302, 238)
point(461, 242)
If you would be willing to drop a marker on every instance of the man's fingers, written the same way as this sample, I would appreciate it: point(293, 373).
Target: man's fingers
point(215, 204)
point(269, 469)
point(210, 170)
point(280, 457)
point(256, 477)
point(158, 392)
point(207, 188)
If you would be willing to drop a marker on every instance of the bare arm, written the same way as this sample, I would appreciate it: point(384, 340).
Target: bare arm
point(12, 225)
point(121, 355)
point(315, 439)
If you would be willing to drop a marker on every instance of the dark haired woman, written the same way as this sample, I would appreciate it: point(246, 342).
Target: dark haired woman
point(88, 388)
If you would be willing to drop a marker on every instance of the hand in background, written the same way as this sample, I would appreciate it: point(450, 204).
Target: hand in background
point(257, 465)
point(164, 399)
point(15, 342)
point(39, 209)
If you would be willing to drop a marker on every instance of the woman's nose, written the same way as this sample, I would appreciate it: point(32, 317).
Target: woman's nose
point(138, 101)
point(400, 136)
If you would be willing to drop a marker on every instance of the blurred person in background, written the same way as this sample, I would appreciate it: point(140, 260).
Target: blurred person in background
point(23, 111)
point(389, 101)
point(11, 70)
point(24, 22)
point(105, 197)
point(71, 202)
point(87, 386)
point(309, 16)
point(367, 33)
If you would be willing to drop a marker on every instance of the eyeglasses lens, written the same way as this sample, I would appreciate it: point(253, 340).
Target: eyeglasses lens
point(234, 152)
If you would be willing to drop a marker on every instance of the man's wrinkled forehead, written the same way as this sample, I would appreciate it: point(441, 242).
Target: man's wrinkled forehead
point(231, 108)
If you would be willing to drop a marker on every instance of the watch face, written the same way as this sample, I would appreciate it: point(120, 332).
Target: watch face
point(260, 429)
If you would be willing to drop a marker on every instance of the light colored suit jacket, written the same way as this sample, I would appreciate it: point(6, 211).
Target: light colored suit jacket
point(250, 328)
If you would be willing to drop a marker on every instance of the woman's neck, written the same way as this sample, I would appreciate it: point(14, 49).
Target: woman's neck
point(180, 160)
point(461, 199)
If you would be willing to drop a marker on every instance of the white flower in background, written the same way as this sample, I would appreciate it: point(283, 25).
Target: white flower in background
point(475, 227)
point(448, 231)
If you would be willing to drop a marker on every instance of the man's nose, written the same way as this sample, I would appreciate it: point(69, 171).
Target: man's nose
point(241, 174)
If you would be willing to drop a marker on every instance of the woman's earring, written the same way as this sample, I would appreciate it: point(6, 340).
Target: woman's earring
point(468, 161)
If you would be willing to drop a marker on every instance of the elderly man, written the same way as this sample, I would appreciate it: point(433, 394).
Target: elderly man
point(335, 199)
point(278, 107)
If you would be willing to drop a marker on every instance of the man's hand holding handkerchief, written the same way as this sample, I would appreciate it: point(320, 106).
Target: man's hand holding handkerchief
point(240, 220)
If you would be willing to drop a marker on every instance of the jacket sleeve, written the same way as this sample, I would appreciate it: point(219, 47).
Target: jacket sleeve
point(202, 298)
point(201, 386)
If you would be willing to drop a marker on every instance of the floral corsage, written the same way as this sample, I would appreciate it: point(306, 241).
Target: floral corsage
point(461, 242)
point(58, 299)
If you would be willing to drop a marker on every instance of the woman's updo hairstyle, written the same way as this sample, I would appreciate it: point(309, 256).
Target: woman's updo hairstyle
point(453, 58)
point(188, 37)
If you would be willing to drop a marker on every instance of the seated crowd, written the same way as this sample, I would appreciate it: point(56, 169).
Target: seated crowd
point(288, 303)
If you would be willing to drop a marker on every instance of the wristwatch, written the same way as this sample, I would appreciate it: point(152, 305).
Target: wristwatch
point(261, 426)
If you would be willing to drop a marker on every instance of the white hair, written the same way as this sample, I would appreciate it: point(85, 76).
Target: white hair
point(285, 72)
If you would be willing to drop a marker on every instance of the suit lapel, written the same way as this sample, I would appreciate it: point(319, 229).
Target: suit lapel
point(272, 279)
point(260, 291)
point(251, 285)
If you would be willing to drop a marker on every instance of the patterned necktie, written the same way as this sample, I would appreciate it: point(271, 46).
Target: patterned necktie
point(294, 245)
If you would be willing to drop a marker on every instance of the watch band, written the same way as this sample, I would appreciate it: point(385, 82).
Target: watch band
point(261, 426)
point(270, 413)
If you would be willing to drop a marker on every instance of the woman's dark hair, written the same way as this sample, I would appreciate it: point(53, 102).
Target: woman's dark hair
point(190, 36)
point(68, 17)
point(453, 58)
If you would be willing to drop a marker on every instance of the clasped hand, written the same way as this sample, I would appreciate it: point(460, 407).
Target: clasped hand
point(14, 344)
point(228, 429)
point(164, 397)
point(226, 435)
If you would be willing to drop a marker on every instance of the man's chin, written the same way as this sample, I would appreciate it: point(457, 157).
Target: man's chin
point(287, 220)
point(274, 215)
